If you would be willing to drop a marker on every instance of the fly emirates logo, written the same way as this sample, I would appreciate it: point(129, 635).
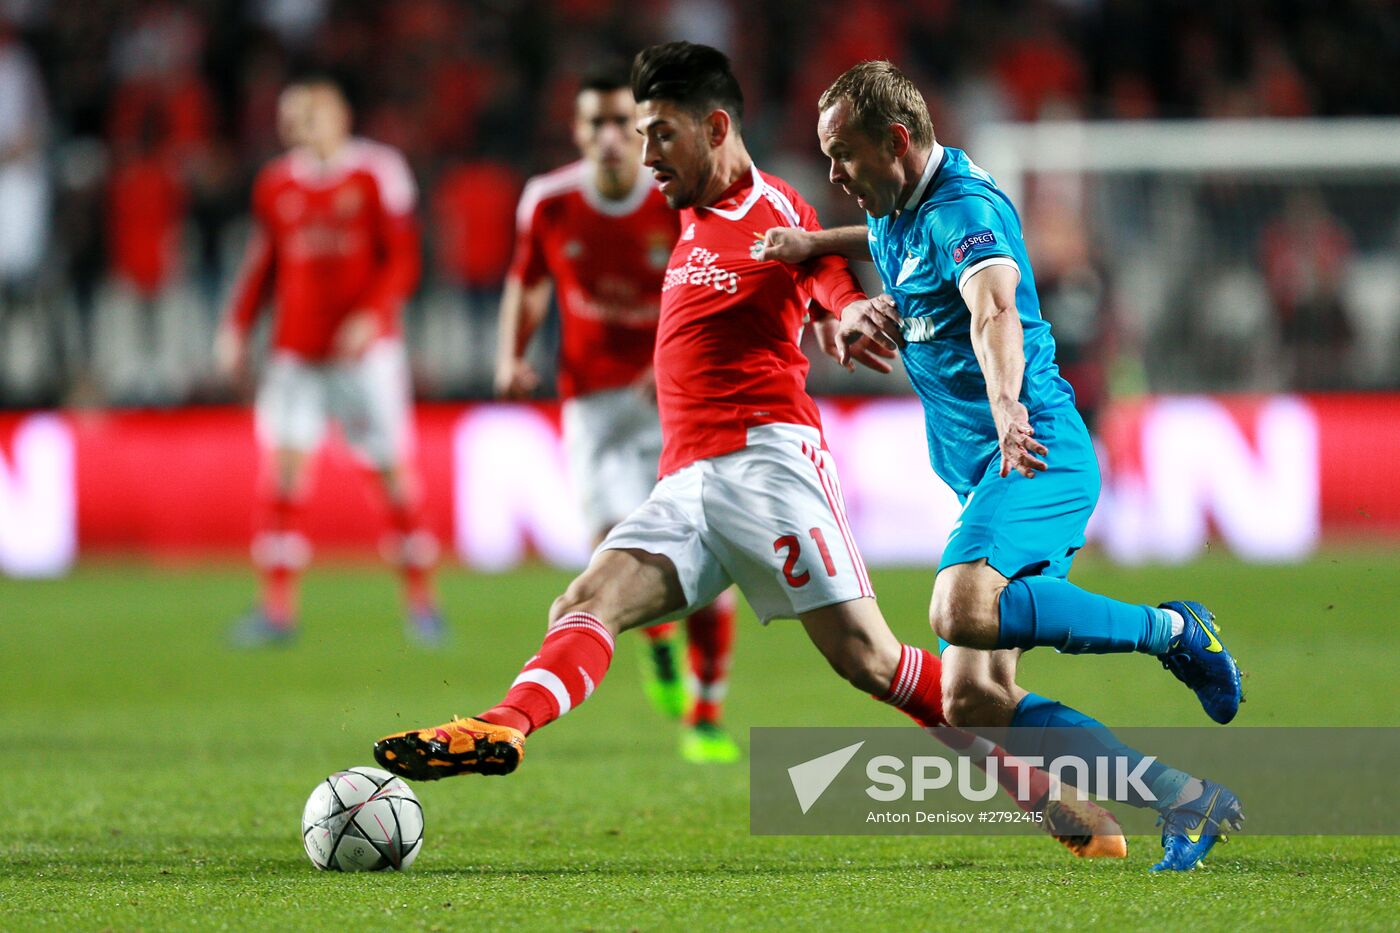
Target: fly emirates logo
point(701, 269)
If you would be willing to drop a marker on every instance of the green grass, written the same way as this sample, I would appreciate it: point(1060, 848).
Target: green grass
point(156, 779)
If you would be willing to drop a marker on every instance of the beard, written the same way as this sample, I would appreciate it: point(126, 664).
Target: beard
point(679, 198)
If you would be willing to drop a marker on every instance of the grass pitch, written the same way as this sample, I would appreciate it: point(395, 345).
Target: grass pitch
point(156, 779)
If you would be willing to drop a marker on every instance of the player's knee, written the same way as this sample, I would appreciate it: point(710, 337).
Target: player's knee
point(968, 622)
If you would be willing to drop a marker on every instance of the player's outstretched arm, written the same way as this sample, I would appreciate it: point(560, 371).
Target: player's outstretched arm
point(999, 342)
point(523, 308)
point(794, 244)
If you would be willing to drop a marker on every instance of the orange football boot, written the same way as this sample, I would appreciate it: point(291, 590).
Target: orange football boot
point(1085, 828)
point(462, 746)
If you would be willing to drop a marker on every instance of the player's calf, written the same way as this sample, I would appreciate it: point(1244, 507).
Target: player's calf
point(856, 642)
point(974, 606)
point(978, 705)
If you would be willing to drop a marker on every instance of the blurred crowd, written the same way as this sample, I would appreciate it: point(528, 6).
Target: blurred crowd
point(130, 131)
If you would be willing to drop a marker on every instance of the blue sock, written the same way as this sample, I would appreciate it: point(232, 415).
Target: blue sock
point(1054, 612)
point(1043, 727)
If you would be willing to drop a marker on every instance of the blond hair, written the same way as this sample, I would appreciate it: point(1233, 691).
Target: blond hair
point(879, 95)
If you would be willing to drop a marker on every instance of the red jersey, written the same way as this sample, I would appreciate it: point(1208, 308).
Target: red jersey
point(606, 259)
point(330, 240)
point(727, 354)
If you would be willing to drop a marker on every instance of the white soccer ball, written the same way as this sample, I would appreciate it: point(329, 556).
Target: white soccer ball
point(362, 819)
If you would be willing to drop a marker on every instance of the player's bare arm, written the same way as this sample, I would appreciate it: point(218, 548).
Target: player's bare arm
point(645, 384)
point(245, 302)
point(794, 245)
point(355, 334)
point(523, 309)
point(230, 351)
point(998, 341)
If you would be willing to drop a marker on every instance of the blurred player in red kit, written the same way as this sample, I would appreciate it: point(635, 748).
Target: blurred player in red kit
point(335, 250)
point(600, 234)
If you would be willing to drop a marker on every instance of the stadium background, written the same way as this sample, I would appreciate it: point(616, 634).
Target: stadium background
point(131, 131)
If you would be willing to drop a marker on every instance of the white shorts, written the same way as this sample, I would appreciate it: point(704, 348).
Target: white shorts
point(769, 517)
point(369, 399)
point(613, 441)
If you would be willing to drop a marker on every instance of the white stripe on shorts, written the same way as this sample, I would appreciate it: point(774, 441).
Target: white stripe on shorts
point(838, 513)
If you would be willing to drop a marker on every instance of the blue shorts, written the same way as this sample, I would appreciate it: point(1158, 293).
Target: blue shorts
point(1028, 527)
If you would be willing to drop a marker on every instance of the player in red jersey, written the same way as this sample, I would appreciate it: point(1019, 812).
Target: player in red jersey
point(599, 231)
point(335, 249)
point(749, 493)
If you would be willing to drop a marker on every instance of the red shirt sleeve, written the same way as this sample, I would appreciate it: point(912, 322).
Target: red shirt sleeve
point(827, 279)
point(259, 264)
point(527, 264)
point(400, 264)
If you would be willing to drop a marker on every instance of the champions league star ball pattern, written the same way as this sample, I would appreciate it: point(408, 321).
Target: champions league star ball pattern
point(363, 819)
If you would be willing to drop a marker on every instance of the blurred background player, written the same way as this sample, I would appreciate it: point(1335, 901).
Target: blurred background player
point(601, 231)
point(336, 250)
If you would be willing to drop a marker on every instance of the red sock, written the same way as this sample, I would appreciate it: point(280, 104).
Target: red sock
point(572, 661)
point(917, 688)
point(917, 691)
point(280, 553)
point(413, 552)
point(662, 632)
point(710, 635)
point(1009, 768)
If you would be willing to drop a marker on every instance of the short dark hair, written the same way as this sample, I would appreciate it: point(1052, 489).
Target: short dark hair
point(880, 95)
point(606, 77)
point(323, 77)
point(696, 78)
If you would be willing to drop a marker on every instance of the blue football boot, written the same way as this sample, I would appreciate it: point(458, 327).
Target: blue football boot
point(1201, 662)
point(425, 627)
point(256, 629)
point(1192, 829)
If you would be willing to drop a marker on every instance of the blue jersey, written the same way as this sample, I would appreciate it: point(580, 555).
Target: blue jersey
point(959, 222)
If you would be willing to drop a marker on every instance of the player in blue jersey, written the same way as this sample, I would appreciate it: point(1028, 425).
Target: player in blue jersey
point(961, 305)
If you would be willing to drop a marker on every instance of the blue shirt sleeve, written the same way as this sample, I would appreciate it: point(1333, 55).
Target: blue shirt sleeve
point(968, 231)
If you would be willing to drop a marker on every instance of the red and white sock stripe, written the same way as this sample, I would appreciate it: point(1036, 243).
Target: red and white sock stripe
point(831, 486)
point(571, 662)
point(588, 623)
point(550, 681)
point(906, 677)
point(917, 688)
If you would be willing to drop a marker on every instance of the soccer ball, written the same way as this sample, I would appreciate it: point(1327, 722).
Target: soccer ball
point(362, 819)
